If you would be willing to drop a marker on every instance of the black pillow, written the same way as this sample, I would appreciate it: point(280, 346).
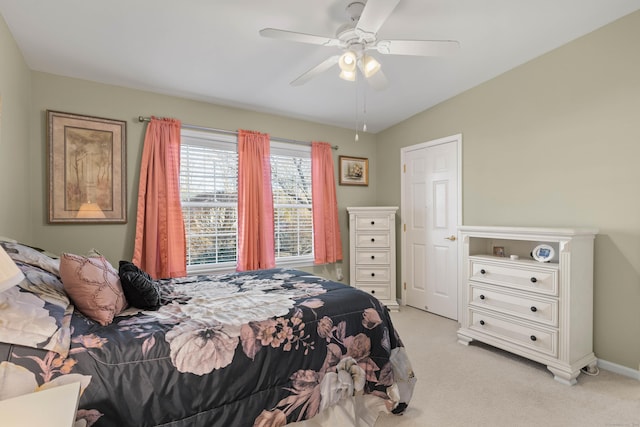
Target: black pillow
point(139, 288)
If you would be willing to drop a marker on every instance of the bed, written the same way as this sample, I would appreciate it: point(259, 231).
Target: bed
point(260, 348)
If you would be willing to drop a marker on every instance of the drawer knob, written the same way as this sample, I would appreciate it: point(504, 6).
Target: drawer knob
point(534, 280)
point(373, 257)
point(373, 223)
point(482, 322)
point(373, 240)
point(373, 291)
point(533, 338)
point(373, 274)
point(481, 296)
point(533, 308)
point(483, 271)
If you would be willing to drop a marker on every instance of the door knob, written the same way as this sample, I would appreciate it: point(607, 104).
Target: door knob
point(452, 238)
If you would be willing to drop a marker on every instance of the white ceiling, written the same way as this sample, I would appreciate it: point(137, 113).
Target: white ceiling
point(210, 50)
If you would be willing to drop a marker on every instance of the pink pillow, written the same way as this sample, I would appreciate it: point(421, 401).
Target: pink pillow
point(93, 285)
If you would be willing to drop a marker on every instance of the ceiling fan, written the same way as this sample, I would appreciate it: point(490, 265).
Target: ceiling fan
point(359, 36)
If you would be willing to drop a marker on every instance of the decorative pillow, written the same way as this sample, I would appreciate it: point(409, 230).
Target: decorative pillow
point(138, 286)
point(36, 312)
point(93, 285)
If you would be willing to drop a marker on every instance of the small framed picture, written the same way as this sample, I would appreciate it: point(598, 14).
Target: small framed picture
point(354, 170)
point(498, 251)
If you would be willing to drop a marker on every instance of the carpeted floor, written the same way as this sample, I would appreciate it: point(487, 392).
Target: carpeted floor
point(478, 385)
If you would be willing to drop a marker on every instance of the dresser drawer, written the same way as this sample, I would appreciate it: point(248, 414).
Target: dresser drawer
point(539, 339)
point(378, 291)
point(541, 280)
point(372, 274)
point(372, 257)
point(372, 240)
point(543, 310)
point(366, 222)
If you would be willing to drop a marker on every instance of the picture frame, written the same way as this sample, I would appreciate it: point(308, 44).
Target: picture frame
point(354, 170)
point(87, 169)
point(498, 251)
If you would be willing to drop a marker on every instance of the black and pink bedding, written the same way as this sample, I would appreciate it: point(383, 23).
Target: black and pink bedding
point(260, 348)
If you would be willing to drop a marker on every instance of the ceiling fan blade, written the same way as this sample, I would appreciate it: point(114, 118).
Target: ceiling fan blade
point(299, 37)
point(417, 47)
point(318, 69)
point(374, 14)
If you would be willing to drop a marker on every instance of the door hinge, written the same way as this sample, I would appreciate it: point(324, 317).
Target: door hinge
point(405, 286)
point(404, 167)
point(405, 227)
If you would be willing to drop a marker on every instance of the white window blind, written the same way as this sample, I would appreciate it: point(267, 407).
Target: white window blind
point(209, 193)
point(291, 186)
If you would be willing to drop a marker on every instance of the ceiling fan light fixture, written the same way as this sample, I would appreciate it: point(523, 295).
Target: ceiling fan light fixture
point(358, 36)
point(370, 66)
point(347, 61)
point(349, 76)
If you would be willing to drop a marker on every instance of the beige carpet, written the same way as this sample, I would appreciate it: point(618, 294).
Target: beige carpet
point(478, 385)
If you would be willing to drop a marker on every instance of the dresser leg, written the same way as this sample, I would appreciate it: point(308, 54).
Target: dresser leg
point(464, 340)
point(565, 377)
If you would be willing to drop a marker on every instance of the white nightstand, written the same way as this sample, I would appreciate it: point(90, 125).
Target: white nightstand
point(54, 407)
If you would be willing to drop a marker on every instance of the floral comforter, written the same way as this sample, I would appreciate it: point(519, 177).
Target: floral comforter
point(261, 348)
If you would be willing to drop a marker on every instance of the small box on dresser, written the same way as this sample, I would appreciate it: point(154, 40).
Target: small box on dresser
point(372, 252)
point(539, 310)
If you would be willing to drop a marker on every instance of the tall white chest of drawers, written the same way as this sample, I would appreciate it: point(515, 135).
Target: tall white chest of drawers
point(372, 252)
point(539, 310)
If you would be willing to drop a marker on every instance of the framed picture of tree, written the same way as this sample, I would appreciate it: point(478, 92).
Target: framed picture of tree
point(87, 169)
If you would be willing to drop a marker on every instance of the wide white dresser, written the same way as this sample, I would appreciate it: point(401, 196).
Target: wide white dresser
point(372, 252)
point(539, 310)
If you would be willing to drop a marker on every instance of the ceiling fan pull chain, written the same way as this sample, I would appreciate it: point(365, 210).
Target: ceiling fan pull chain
point(364, 113)
point(356, 82)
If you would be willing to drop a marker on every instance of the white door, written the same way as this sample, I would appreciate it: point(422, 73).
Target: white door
point(430, 215)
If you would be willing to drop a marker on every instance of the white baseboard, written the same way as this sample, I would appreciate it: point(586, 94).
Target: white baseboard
point(619, 369)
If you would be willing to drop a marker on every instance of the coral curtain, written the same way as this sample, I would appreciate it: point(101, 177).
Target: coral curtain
point(255, 202)
point(327, 245)
point(160, 247)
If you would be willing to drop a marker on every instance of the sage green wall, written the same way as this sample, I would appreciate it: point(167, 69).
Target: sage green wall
point(554, 142)
point(115, 241)
point(15, 165)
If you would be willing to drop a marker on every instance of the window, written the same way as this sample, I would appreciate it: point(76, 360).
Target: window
point(291, 187)
point(209, 192)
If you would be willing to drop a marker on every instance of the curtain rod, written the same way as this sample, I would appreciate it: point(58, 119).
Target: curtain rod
point(231, 132)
